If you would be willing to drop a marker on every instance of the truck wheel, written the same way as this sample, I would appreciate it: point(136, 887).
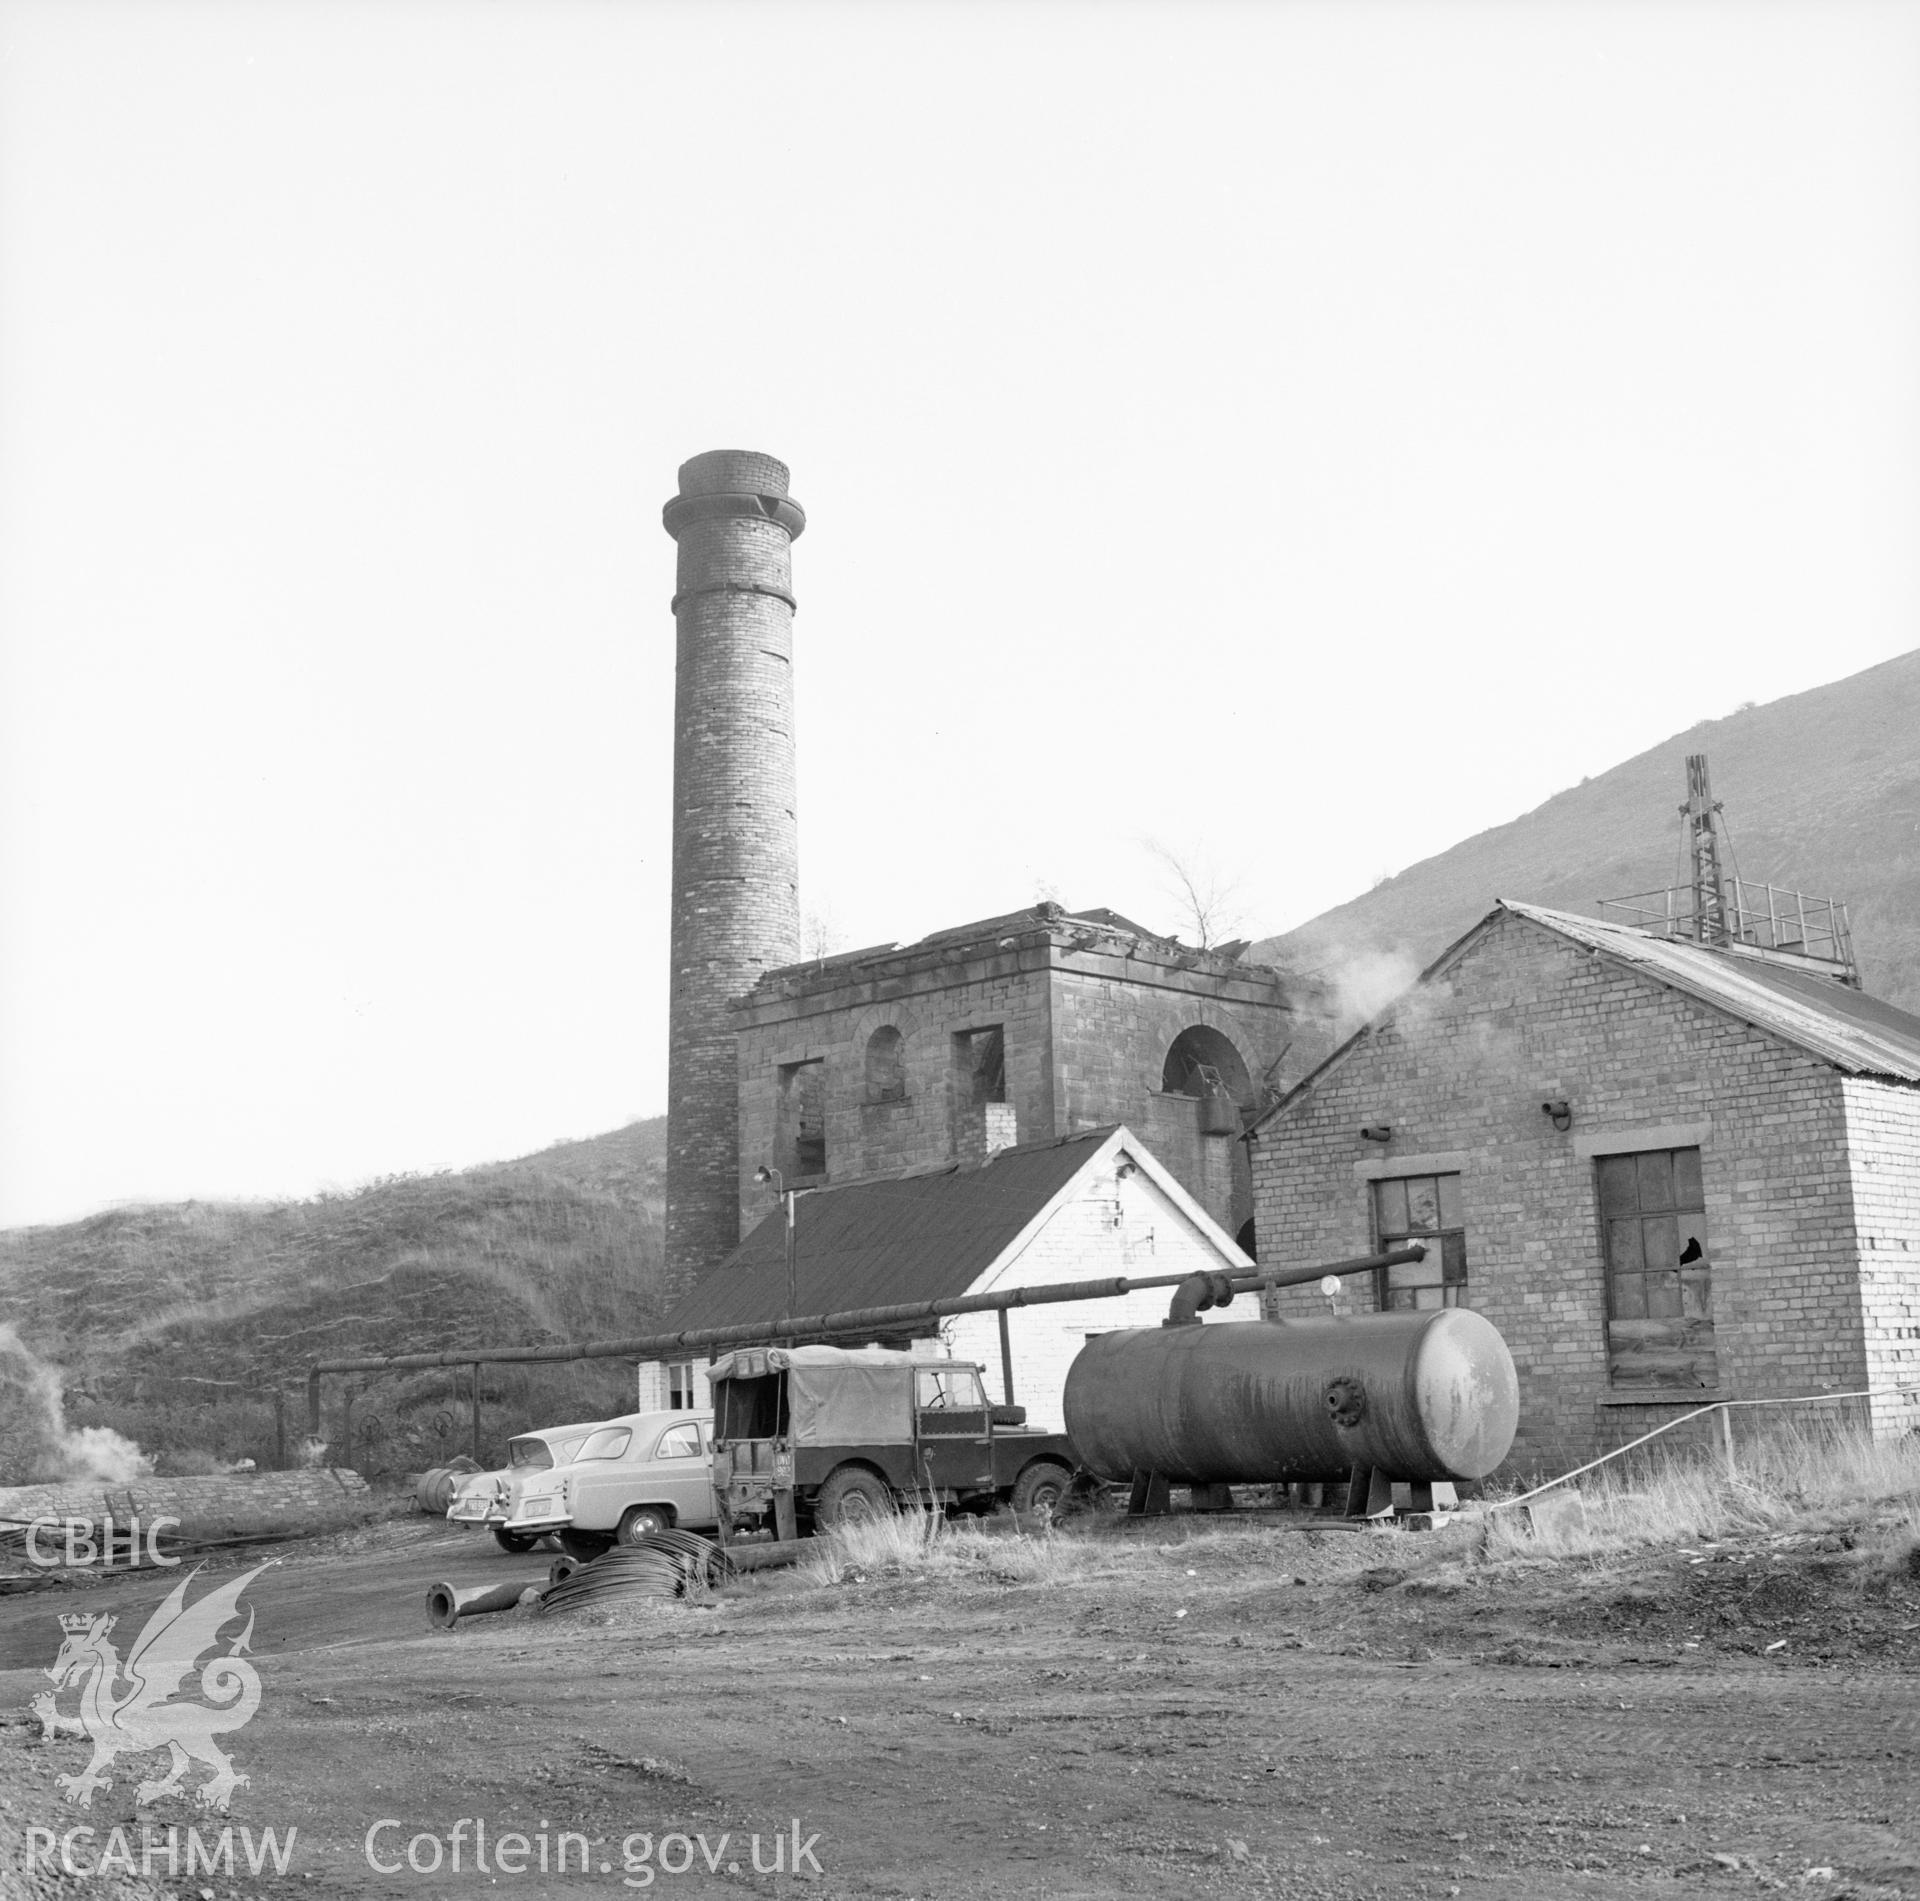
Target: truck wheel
point(1040, 1490)
point(851, 1496)
point(641, 1521)
point(515, 1541)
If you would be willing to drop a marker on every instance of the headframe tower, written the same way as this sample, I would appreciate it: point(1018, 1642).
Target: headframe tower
point(736, 906)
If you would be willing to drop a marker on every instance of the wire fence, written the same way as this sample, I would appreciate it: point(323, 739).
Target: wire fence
point(1725, 1408)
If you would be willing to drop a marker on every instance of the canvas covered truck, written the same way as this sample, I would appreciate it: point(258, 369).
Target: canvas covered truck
point(808, 1437)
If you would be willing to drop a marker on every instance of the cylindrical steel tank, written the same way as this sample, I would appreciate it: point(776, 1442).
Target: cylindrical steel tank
point(1420, 1396)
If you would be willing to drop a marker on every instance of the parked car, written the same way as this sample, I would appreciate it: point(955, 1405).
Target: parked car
point(491, 1498)
point(630, 1476)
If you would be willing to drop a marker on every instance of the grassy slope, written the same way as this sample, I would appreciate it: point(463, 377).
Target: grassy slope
point(174, 1324)
point(1822, 795)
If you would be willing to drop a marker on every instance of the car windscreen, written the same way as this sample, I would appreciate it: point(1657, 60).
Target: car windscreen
point(529, 1454)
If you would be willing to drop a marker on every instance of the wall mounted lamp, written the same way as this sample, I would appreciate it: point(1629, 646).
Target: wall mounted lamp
point(1560, 1113)
point(1376, 1132)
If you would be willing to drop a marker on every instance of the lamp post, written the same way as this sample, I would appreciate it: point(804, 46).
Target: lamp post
point(786, 1194)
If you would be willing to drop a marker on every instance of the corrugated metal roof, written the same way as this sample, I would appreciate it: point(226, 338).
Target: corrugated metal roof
point(876, 1243)
point(1842, 1026)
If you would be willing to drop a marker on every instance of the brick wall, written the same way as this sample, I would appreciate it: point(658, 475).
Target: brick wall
point(1883, 1129)
point(1459, 1072)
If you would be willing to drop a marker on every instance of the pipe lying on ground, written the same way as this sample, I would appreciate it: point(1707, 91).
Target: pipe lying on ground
point(447, 1604)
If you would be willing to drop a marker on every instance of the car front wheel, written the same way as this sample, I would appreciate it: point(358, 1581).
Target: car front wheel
point(584, 1545)
point(516, 1541)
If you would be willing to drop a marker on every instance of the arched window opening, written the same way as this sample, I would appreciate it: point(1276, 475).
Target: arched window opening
point(1205, 1065)
point(886, 1065)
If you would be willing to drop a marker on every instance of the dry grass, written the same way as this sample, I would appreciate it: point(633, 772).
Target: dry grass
point(923, 1546)
point(1792, 1481)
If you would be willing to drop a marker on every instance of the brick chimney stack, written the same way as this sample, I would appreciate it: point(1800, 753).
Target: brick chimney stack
point(736, 906)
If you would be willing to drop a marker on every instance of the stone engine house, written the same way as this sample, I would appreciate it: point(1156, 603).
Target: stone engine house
point(1013, 1030)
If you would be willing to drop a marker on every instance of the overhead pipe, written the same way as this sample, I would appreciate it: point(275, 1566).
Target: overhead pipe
point(662, 1346)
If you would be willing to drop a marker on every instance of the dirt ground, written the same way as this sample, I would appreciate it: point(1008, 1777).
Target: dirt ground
point(1205, 1708)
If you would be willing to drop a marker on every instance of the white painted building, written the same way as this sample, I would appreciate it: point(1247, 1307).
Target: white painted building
point(1091, 1206)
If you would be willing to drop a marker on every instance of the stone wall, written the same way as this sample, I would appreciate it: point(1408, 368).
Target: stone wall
point(927, 1123)
point(1113, 1028)
point(1088, 1017)
point(1459, 1071)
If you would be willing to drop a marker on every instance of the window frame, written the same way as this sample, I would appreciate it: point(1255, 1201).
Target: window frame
point(1450, 1234)
point(1691, 1331)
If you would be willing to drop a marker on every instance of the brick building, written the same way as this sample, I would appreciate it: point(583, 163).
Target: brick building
point(1083, 1207)
point(1667, 1173)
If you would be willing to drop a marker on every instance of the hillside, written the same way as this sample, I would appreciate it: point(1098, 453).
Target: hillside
point(1821, 794)
point(176, 1325)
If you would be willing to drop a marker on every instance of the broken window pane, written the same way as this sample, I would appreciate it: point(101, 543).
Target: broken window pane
point(1423, 1204)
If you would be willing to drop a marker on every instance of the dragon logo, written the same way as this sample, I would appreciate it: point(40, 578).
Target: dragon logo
point(131, 1707)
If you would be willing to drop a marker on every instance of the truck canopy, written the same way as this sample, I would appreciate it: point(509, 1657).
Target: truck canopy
point(835, 1395)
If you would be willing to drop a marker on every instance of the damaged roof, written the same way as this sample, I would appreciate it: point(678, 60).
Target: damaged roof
point(1841, 1025)
point(875, 1243)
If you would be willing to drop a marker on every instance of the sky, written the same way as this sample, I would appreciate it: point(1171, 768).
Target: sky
point(1295, 436)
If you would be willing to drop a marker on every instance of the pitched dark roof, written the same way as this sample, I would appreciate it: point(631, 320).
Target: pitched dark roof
point(875, 1243)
